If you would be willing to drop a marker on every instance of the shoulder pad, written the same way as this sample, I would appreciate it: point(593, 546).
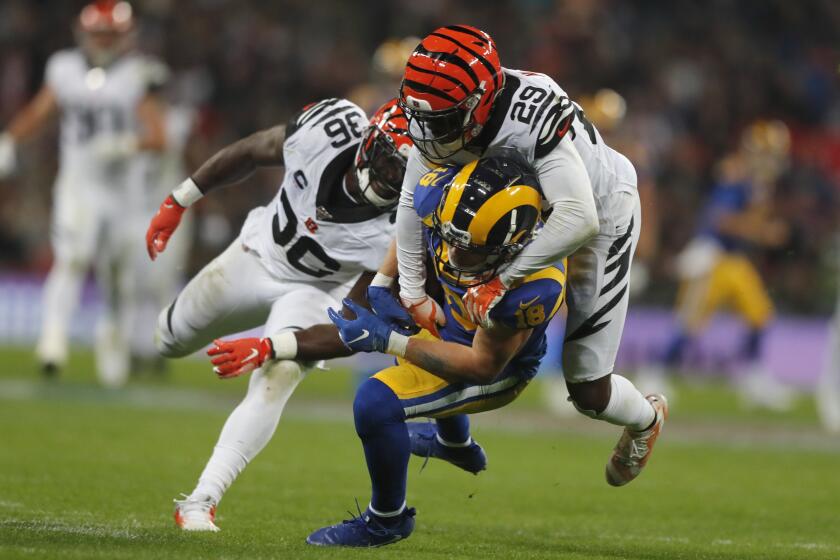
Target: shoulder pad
point(320, 112)
point(58, 64)
point(554, 126)
point(534, 302)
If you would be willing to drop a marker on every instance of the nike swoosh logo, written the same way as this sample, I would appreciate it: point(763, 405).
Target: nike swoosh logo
point(362, 336)
point(254, 353)
point(525, 304)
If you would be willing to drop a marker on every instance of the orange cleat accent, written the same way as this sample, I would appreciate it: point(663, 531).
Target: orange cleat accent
point(192, 515)
point(633, 449)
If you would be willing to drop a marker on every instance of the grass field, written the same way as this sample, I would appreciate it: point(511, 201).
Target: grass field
point(90, 473)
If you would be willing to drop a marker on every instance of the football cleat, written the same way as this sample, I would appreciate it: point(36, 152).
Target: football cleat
point(50, 370)
point(195, 515)
point(426, 443)
point(364, 531)
point(633, 450)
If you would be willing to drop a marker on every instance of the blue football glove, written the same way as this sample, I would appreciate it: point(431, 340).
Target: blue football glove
point(387, 308)
point(365, 333)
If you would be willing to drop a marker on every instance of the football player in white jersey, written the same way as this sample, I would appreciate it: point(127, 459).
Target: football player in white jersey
point(459, 102)
point(323, 236)
point(105, 95)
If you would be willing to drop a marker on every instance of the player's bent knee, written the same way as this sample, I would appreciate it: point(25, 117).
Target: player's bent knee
point(590, 398)
point(276, 380)
point(375, 405)
point(165, 342)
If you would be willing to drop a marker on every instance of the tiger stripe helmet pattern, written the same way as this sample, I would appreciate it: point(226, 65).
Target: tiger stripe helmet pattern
point(487, 213)
point(450, 82)
point(382, 156)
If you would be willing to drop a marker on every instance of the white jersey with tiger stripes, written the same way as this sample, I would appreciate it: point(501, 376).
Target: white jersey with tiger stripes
point(313, 230)
point(533, 114)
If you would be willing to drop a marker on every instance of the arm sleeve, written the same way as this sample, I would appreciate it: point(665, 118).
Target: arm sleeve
point(410, 246)
point(573, 220)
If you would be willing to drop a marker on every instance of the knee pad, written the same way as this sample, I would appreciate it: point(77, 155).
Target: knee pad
point(165, 342)
point(375, 405)
point(276, 380)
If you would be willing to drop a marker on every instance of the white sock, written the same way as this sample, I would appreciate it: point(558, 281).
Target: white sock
point(386, 514)
point(627, 406)
point(61, 296)
point(249, 427)
point(454, 444)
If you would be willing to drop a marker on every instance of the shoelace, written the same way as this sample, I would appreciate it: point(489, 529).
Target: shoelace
point(638, 449)
point(428, 447)
point(185, 500)
point(377, 531)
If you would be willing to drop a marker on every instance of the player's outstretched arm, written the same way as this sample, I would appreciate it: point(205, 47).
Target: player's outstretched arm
point(753, 225)
point(229, 165)
point(319, 342)
point(573, 221)
point(29, 121)
point(410, 245)
point(478, 364)
point(240, 159)
point(151, 114)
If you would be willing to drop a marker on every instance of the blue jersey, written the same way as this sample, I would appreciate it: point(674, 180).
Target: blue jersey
point(531, 305)
point(726, 198)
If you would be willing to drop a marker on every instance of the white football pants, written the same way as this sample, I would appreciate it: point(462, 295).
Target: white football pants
point(89, 229)
point(232, 293)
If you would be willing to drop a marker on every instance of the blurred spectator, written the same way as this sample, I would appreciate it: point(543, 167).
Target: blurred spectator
point(692, 74)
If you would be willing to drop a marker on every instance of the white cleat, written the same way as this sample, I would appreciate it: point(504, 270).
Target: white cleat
point(633, 450)
point(195, 515)
point(757, 389)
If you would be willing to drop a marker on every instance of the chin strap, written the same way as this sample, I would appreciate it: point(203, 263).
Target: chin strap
point(368, 194)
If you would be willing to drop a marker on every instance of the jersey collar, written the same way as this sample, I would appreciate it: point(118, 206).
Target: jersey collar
point(497, 116)
point(330, 191)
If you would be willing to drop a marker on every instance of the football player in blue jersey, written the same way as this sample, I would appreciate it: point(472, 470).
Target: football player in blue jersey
point(716, 269)
point(476, 218)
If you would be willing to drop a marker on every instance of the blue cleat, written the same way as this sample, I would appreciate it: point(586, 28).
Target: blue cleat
point(425, 443)
point(364, 531)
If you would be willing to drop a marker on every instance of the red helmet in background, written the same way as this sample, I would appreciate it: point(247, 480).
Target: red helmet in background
point(382, 156)
point(450, 83)
point(105, 30)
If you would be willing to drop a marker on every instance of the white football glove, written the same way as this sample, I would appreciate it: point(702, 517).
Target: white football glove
point(8, 159)
point(114, 147)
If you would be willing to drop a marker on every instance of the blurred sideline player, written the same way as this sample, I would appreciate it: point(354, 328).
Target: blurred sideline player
point(606, 110)
point(828, 390)
point(476, 219)
point(460, 102)
point(323, 236)
point(105, 94)
point(715, 270)
point(157, 283)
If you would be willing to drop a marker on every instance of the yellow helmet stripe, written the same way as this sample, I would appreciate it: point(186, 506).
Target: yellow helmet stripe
point(497, 206)
point(453, 197)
